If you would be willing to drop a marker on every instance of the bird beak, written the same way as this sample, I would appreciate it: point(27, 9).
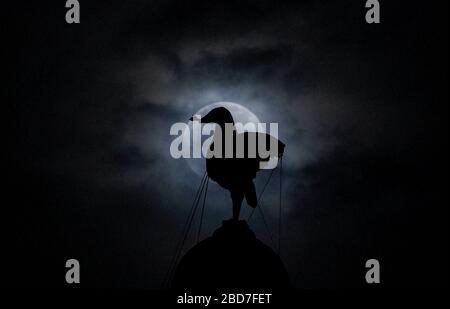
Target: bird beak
point(191, 119)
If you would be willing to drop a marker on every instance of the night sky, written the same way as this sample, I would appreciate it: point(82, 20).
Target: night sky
point(362, 109)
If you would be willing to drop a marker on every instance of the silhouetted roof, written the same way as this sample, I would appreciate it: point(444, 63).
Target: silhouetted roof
point(231, 257)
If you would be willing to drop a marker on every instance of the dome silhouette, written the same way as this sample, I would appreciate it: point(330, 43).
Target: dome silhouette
point(231, 257)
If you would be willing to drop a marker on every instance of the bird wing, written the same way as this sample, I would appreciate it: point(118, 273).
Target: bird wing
point(252, 151)
point(262, 146)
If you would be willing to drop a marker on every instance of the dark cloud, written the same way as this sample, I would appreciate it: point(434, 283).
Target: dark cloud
point(362, 109)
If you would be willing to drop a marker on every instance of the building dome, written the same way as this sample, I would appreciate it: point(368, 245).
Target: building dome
point(231, 257)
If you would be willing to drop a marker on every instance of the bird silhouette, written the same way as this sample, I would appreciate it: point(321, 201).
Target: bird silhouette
point(236, 172)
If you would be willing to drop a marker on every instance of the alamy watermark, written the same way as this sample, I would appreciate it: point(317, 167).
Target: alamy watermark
point(252, 143)
point(373, 12)
point(73, 12)
point(373, 274)
point(73, 274)
point(372, 15)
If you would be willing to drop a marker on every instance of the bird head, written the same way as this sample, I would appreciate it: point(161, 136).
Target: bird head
point(218, 115)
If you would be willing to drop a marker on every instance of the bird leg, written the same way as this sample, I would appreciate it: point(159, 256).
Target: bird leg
point(250, 194)
point(237, 196)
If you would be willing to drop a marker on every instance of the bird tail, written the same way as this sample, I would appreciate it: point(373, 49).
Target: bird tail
point(250, 195)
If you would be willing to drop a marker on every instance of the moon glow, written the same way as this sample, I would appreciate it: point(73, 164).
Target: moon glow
point(240, 114)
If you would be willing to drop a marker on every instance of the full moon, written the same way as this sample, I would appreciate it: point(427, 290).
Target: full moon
point(240, 114)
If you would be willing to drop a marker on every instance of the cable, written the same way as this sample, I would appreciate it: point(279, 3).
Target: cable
point(267, 227)
point(186, 228)
point(260, 194)
point(203, 210)
point(279, 208)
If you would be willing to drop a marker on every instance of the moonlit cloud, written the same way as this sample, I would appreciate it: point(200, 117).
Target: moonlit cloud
point(358, 107)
